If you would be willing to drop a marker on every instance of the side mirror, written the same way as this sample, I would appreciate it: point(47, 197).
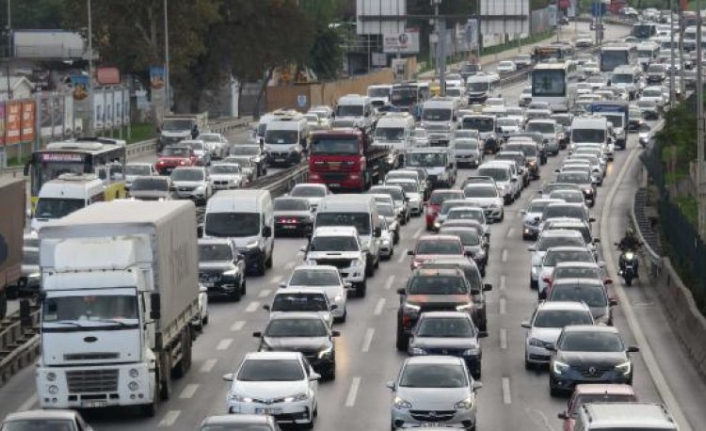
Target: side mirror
point(199, 231)
point(550, 347)
point(335, 334)
point(314, 377)
point(514, 180)
point(591, 220)
point(155, 306)
point(596, 240)
point(228, 377)
point(563, 415)
point(487, 287)
point(477, 385)
point(523, 211)
point(266, 232)
point(282, 285)
point(526, 325)
point(546, 279)
point(257, 334)
point(347, 285)
point(538, 218)
point(302, 249)
point(410, 252)
point(468, 253)
point(266, 307)
point(532, 248)
point(613, 302)
point(377, 232)
point(401, 291)
point(203, 289)
point(334, 307)
point(608, 281)
point(390, 385)
point(633, 349)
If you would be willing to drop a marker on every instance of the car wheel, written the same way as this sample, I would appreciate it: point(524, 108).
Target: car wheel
point(402, 341)
point(236, 295)
point(502, 216)
point(534, 285)
point(361, 288)
point(244, 287)
point(204, 322)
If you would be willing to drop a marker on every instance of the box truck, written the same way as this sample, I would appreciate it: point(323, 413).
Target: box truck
point(14, 209)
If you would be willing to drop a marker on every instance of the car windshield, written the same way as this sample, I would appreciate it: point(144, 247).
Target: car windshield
point(466, 145)
point(553, 257)
point(138, 170)
point(288, 204)
point(480, 192)
point(314, 277)
point(90, 308)
point(379, 91)
point(187, 175)
point(656, 68)
point(438, 247)
point(246, 150)
point(296, 328)
point(478, 86)
point(498, 174)
point(224, 169)
point(30, 256)
point(574, 177)
point(242, 161)
point(333, 243)
point(176, 125)
point(278, 137)
point(308, 192)
point(468, 237)
point(335, 146)
point(592, 294)
point(594, 341)
point(232, 225)
point(435, 159)
point(561, 318)
point(563, 211)
point(176, 152)
point(349, 111)
point(361, 221)
point(482, 124)
point(466, 214)
point(385, 210)
point(438, 198)
point(300, 302)
point(540, 127)
point(448, 206)
point(537, 207)
point(576, 272)
point(389, 133)
point(270, 370)
point(51, 208)
point(567, 195)
point(588, 135)
point(430, 375)
point(39, 425)
point(215, 253)
point(558, 241)
point(396, 194)
point(443, 327)
point(407, 186)
point(141, 184)
point(506, 122)
point(563, 120)
point(529, 150)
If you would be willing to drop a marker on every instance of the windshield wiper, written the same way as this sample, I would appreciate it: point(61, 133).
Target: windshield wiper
point(113, 321)
point(67, 322)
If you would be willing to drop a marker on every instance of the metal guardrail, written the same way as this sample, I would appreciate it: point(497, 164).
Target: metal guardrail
point(19, 342)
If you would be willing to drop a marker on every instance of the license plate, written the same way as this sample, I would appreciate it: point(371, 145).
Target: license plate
point(279, 159)
point(268, 411)
point(93, 404)
point(208, 284)
point(428, 425)
point(334, 185)
point(289, 226)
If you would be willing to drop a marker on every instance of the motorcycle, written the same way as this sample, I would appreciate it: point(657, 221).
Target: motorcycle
point(628, 266)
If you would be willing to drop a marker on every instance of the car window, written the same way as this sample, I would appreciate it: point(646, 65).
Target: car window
point(269, 370)
point(314, 277)
point(296, 328)
point(561, 318)
point(445, 328)
point(433, 376)
point(437, 285)
point(593, 295)
point(598, 341)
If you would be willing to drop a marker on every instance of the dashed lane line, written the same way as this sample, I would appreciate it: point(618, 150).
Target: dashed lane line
point(367, 340)
point(353, 392)
point(208, 366)
point(379, 306)
point(224, 344)
point(189, 391)
point(169, 418)
point(238, 325)
point(252, 307)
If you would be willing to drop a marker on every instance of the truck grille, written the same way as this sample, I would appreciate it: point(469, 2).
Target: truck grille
point(88, 356)
point(438, 307)
point(334, 176)
point(432, 415)
point(89, 381)
point(338, 263)
point(186, 189)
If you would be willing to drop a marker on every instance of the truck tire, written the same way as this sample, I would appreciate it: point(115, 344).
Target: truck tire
point(150, 410)
point(3, 304)
point(165, 380)
point(185, 363)
point(260, 266)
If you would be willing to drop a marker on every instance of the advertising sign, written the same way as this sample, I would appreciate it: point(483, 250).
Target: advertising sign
point(157, 77)
point(403, 43)
point(80, 86)
point(99, 110)
point(108, 75)
point(28, 121)
point(14, 122)
point(472, 33)
point(108, 110)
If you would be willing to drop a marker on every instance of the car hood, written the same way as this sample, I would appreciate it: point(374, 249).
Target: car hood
point(483, 201)
point(313, 255)
point(548, 335)
point(445, 342)
point(177, 133)
point(529, 218)
point(223, 266)
point(467, 152)
point(599, 359)
point(297, 344)
point(437, 299)
point(268, 390)
point(435, 170)
point(150, 194)
point(433, 398)
point(537, 257)
point(188, 183)
point(225, 177)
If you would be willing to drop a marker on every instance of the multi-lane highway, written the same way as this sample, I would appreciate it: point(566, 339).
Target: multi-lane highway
point(512, 398)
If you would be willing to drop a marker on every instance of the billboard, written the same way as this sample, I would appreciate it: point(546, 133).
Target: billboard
point(27, 123)
point(14, 122)
point(108, 75)
point(402, 43)
point(495, 13)
point(117, 108)
point(99, 110)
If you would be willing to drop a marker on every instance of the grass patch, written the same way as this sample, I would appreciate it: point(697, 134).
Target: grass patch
point(18, 161)
point(140, 132)
point(689, 206)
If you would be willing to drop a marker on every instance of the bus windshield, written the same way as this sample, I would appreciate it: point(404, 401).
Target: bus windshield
point(404, 96)
point(612, 59)
point(549, 83)
point(482, 124)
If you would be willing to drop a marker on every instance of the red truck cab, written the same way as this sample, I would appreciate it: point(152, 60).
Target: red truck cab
point(337, 159)
point(174, 156)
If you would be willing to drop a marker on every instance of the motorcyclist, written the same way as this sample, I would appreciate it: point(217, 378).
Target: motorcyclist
point(629, 242)
point(195, 131)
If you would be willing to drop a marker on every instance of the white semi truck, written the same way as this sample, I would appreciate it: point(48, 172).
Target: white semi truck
point(119, 290)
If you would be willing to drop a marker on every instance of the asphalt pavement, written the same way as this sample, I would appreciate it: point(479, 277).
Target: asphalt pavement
point(512, 398)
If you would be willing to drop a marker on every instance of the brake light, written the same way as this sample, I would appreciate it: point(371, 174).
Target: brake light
point(183, 162)
point(160, 162)
point(289, 221)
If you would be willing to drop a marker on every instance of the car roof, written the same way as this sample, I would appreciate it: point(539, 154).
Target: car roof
point(604, 388)
point(578, 281)
point(567, 248)
point(315, 267)
point(562, 305)
point(260, 356)
point(573, 264)
point(560, 232)
point(335, 231)
point(445, 314)
point(591, 328)
point(433, 359)
point(41, 414)
point(237, 419)
point(296, 315)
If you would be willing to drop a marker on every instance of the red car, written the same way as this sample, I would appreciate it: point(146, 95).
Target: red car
point(434, 204)
point(431, 246)
point(594, 393)
point(174, 156)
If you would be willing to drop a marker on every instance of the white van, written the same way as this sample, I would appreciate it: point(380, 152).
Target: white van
point(629, 78)
point(480, 87)
point(624, 417)
point(357, 107)
point(286, 139)
point(359, 211)
point(247, 218)
point(379, 94)
point(590, 129)
point(259, 132)
point(395, 129)
point(439, 117)
point(64, 195)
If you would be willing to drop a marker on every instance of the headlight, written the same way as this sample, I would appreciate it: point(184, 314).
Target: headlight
point(588, 191)
point(133, 386)
point(560, 367)
point(536, 342)
point(535, 270)
point(34, 275)
point(200, 189)
point(629, 255)
point(338, 298)
point(472, 352)
point(240, 399)
point(134, 373)
point(326, 352)
point(298, 397)
point(464, 307)
point(411, 308)
point(252, 245)
point(625, 368)
point(53, 389)
point(51, 376)
point(418, 351)
point(358, 262)
point(464, 404)
point(399, 403)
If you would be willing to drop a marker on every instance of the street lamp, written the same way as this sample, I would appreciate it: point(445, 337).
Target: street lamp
point(166, 58)
point(441, 51)
point(91, 108)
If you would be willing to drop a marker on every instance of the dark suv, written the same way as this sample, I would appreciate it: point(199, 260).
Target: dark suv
point(221, 268)
point(589, 354)
point(430, 290)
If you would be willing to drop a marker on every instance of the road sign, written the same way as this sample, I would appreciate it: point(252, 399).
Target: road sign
point(402, 43)
point(301, 100)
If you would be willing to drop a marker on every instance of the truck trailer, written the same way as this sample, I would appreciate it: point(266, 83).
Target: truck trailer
point(14, 209)
point(119, 291)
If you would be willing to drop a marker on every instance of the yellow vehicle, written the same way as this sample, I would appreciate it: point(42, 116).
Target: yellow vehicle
point(435, 89)
point(106, 158)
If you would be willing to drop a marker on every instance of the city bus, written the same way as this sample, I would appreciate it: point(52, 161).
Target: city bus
point(550, 83)
point(613, 56)
point(408, 96)
point(106, 158)
point(644, 30)
point(554, 51)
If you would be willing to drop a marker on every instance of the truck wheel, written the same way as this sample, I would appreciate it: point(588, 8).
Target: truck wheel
point(185, 363)
point(3, 304)
point(260, 266)
point(268, 262)
point(165, 383)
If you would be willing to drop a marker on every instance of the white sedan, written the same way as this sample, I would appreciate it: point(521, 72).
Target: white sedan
point(505, 67)
point(326, 278)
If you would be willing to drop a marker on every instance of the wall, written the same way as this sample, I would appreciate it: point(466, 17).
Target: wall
point(323, 94)
point(539, 21)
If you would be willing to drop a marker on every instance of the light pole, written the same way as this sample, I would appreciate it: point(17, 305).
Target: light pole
point(9, 28)
point(91, 108)
point(671, 43)
point(166, 58)
point(440, 47)
point(700, 126)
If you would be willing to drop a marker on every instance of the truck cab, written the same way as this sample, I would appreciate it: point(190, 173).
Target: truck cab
point(439, 117)
point(286, 139)
point(357, 107)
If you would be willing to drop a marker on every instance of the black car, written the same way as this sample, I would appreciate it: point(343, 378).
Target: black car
point(589, 354)
point(221, 268)
point(583, 180)
point(532, 156)
point(293, 216)
point(302, 332)
point(256, 155)
point(448, 333)
point(592, 292)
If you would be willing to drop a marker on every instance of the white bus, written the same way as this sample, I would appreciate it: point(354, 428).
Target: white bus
point(550, 83)
point(613, 56)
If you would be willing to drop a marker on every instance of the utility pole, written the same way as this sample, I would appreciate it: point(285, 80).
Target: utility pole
point(91, 108)
point(701, 164)
point(167, 87)
point(440, 26)
point(671, 71)
point(682, 73)
point(9, 28)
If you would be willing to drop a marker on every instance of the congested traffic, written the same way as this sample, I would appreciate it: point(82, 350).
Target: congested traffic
point(416, 207)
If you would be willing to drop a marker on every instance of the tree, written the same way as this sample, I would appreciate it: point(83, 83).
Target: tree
point(326, 54)
point(34, 14)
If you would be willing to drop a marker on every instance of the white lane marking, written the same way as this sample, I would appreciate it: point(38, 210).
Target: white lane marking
point(264, 293)
point(503, 305)
point(507, 397)
point(503, 285)
point(28, 404)
point(389, 282)
point(503, 258)
point(252, 307)
point(237, 326)
point(169, 418)
point(189, 391)
point(276, 279)
point(510, 232)
point(403, 256)
point(503, 339)
point(224, 344)
point(368, 340)
point(646, 352)
point(379, 306)
point(289, 265)
point(208, 366)
point(419, 232)
point(353, 392)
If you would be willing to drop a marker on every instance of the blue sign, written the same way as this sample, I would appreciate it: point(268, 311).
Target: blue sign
point(301, 100)
point(599, 9)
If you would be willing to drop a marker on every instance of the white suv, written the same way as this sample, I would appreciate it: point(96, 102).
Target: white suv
point(339, 247)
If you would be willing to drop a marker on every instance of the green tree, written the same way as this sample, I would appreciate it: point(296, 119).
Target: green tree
point(34, 14)
point(326, 53)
